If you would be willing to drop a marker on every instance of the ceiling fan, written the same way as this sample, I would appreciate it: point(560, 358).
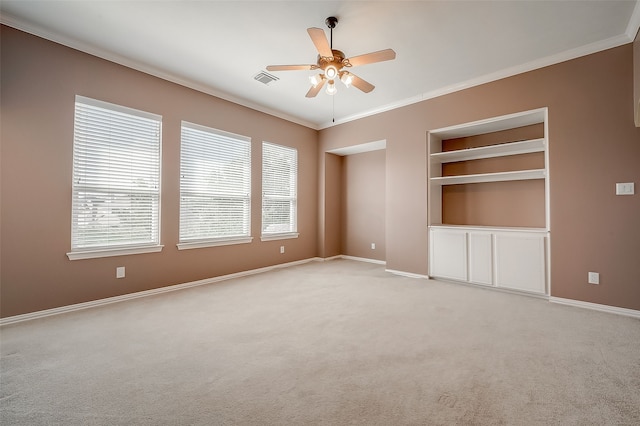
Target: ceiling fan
point(333, 62)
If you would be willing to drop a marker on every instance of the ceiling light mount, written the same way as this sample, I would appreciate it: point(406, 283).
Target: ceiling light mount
point(331, 22)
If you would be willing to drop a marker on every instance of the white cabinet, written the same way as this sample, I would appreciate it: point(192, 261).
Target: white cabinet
point(480, 258)
point(449, 254)
point(520, 261)
point(498, 257)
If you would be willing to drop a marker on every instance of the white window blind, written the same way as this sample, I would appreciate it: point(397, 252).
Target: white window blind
point(215, 186)
point(116, 177)
point(279, 189)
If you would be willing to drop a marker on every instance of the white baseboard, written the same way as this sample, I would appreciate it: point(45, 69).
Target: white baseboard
point(490, 287)
point(407, 274)
point(101, 302)
point(595, 306)
point(362, 259)
point(95, 303)
point(330, 258)
point(379, 262)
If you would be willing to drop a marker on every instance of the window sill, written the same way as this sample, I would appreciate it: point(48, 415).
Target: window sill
point(213, 243)
point(93, 254)
point(273, 237)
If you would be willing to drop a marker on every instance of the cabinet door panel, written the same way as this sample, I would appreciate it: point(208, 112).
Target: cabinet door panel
point(520, 262)
point(449, 254)
point(480, 258)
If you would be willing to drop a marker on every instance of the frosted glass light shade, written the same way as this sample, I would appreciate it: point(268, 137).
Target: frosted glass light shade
point(331, 88)
point(346, 78)
point(315, 80)
point(331, 72)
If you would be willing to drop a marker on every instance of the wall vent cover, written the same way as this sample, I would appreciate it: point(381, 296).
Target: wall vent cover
point(265, 78)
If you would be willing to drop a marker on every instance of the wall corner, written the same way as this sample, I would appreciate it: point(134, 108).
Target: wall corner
point(636, 79)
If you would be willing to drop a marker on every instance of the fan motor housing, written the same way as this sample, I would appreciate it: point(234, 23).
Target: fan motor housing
point(338, 60)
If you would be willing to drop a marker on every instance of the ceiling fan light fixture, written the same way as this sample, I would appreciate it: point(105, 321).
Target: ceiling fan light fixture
point(347, 78)
point(332, 62)
point(331, 72)
point(315, 79)
point(331, 88)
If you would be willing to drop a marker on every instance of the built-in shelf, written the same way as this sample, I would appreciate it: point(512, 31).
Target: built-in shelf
point(500, 150)
point(489, 177)
point(493, 124)
point(509, 257)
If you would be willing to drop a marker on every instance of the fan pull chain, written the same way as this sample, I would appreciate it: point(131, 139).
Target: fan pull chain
point(333, 98)
point(333, 107)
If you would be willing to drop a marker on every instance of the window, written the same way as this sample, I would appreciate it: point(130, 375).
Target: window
point(215, 187)
point(279, 191)
point(116, 181)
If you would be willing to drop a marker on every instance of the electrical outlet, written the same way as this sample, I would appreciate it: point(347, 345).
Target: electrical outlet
point(594, 278)
point(281, 249)
point(120, 272)
point(373, 246)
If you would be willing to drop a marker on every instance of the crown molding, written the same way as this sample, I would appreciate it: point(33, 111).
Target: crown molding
point(564, 56)
point(634, 22)
point(90, 49)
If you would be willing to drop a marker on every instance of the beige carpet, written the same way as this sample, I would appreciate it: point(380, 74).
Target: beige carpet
point(330, 343)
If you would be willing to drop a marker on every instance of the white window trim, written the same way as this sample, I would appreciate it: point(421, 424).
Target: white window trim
point(93, 253)
point(285, 236)
point(267, 236)
point(122, 251)
point(221, 241)
point(213, 243)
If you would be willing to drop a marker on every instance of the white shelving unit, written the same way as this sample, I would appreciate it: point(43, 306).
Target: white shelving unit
point(499, 150)
point(489, 177)
point(514, 258)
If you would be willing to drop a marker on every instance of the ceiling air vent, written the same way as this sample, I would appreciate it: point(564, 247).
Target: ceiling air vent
point(265, 78)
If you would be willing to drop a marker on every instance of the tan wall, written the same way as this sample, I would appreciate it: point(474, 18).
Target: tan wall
point(332, 211)
point(593, 144)
point(39, 82)
point(511, 203)
point(363, 205)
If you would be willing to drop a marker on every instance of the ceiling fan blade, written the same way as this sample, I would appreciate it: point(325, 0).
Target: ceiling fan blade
point(315, 90)
point(370, 58)
point(361, 84)
point(319, 39)
point(290, 67)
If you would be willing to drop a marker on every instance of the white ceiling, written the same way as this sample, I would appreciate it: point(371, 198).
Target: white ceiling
point(219, 46)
